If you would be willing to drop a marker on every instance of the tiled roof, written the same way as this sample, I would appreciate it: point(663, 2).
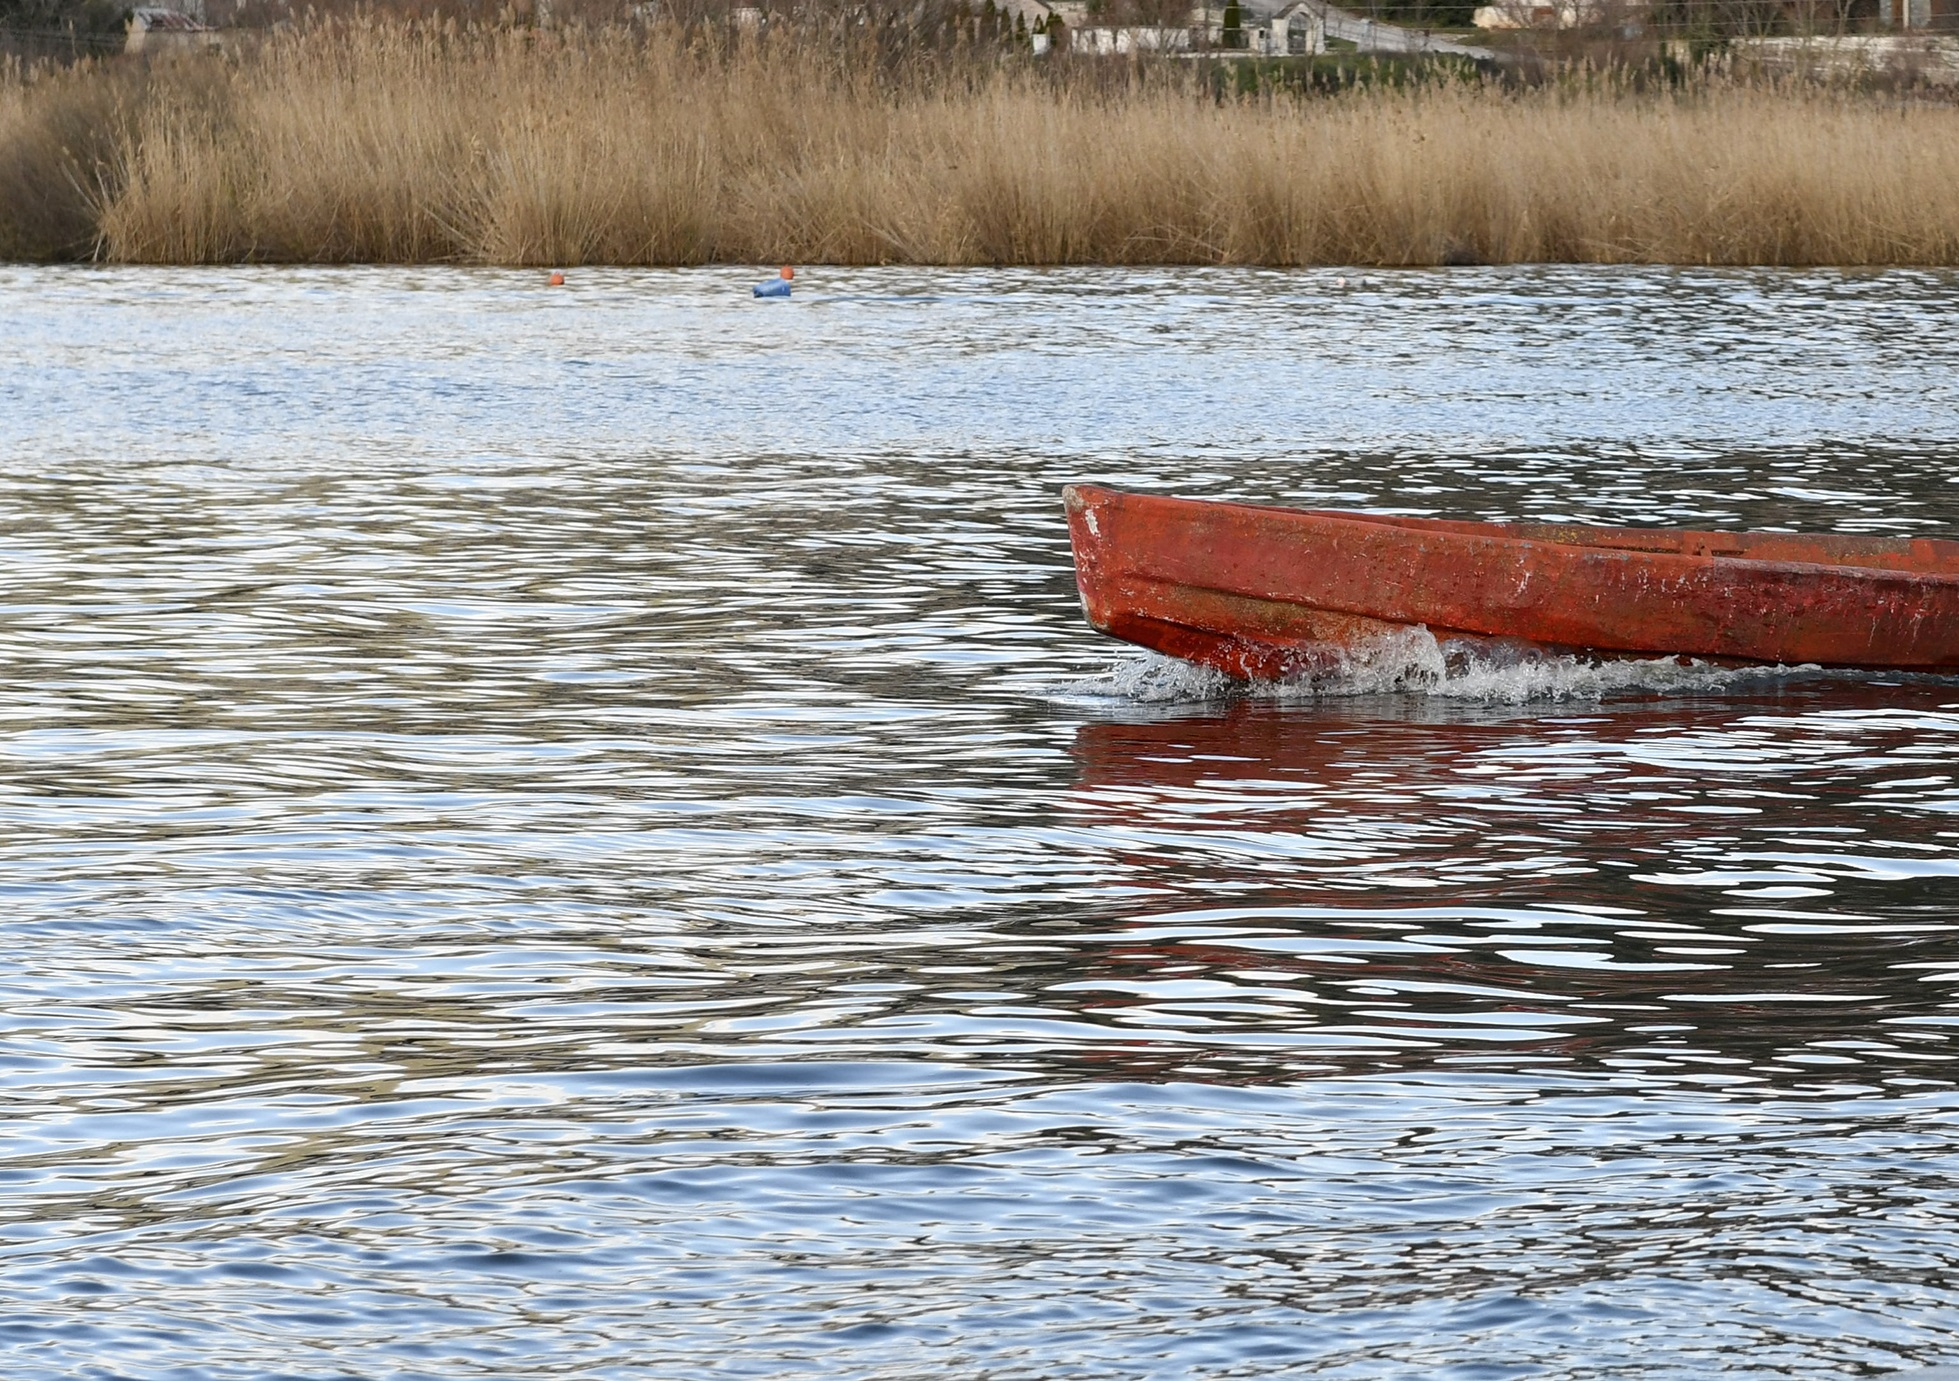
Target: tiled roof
point(159, 20)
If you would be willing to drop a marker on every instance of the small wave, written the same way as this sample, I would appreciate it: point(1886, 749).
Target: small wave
point(1150, 678)
point(1413, 661)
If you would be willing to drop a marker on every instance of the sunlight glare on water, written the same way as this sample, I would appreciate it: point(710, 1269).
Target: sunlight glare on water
point(580, 832)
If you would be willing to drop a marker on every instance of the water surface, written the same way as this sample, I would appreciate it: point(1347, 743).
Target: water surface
point(580, 832)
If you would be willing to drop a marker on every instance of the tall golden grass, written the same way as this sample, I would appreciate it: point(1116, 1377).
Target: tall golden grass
point(387, 142)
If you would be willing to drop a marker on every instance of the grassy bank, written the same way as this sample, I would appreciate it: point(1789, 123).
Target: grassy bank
point(394, 144)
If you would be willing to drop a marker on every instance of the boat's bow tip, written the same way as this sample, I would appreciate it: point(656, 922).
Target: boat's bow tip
point(1085, 537)
point(1080, 496)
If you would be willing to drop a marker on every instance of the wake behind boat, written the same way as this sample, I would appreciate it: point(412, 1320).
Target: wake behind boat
point(1267, 593)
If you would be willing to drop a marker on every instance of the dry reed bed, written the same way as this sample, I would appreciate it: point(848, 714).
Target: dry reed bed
point(393, 144)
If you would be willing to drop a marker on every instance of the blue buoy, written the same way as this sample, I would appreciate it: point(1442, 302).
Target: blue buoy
point(775, 287)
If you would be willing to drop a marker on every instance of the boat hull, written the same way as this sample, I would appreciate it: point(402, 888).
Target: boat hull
point(1269, 593)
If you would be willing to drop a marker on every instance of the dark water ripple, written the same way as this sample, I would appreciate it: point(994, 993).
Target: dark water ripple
point(580, 833)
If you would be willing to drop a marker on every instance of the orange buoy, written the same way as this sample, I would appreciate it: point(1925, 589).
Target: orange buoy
point(557, 280)
point(788, 272)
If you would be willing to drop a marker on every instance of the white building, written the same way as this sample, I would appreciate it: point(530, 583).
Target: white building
point(1298, 30)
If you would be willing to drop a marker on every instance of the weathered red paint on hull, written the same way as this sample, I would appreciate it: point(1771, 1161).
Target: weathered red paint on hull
point(1266, 593)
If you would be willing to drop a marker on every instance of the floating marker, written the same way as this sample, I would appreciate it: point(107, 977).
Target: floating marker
point(557, 279)
point(776, 287)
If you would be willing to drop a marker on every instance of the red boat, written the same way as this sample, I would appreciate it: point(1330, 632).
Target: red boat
point(1266, 593)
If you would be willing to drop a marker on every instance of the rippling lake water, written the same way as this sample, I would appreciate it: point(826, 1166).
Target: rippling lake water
point(581, 832)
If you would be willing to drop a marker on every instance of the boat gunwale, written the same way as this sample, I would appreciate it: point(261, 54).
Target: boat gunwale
point(1518, 534)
